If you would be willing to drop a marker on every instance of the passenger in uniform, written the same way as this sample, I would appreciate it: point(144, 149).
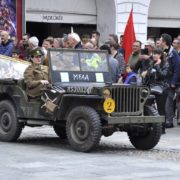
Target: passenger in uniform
point(36, 76)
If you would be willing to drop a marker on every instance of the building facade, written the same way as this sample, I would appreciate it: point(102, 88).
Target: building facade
point(164, 16)
point(57, 17)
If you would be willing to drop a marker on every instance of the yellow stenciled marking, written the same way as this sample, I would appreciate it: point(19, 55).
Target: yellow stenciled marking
point(109, 105)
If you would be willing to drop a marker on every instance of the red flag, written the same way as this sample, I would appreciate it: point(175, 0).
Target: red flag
point(129, 37)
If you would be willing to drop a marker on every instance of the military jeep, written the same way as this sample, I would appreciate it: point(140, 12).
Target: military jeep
point(81, 104)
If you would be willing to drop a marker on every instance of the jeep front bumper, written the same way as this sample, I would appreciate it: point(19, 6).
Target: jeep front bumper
point(134, 119)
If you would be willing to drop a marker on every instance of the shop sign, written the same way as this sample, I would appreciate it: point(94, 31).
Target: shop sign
point(50, 18)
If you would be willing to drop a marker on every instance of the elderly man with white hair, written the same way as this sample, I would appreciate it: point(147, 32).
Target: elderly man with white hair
point(74, 41)
point(33, 42)
point(6, 45)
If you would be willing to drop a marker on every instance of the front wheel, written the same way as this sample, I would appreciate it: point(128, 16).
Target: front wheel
point(150, 136)
point(83, 128)
point(10, 128)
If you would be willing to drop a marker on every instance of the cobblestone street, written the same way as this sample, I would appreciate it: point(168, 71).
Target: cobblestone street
point(73, 72)
point(39, 154)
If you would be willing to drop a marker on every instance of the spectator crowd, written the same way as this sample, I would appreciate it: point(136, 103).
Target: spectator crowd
point(156, 64)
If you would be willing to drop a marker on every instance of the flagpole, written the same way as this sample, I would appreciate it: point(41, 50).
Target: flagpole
point(132, 4)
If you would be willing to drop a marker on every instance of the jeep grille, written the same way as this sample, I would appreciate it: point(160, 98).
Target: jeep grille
point(128, 100)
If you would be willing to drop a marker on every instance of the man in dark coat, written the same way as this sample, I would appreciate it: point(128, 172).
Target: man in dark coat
point(74, 41)
point(173, 76)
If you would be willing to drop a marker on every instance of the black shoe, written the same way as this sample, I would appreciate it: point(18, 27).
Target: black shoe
point(169, 125)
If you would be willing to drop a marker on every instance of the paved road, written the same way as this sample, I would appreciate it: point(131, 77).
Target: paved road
point(40, 155)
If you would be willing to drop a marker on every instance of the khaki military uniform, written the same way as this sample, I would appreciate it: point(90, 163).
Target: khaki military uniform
point(32, 77)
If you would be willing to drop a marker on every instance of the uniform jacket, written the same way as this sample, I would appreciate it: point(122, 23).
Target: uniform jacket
point(32, 77)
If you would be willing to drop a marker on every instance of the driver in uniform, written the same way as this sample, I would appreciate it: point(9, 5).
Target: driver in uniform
point(36, 76)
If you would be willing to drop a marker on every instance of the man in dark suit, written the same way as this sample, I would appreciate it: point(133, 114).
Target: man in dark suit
point(173, 76)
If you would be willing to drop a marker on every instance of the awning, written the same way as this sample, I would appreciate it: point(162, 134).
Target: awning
point(60, 11)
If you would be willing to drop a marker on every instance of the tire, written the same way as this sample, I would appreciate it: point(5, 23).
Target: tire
point(10, 128)
point(150, 137)
point(83, 128)
point(60, 131)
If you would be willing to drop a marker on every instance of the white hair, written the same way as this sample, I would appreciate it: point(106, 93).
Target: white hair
point(34, 41)
point(74, 36)
point(149, 42)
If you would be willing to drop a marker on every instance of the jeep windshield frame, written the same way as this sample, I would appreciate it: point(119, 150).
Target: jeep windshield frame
point(77, 66)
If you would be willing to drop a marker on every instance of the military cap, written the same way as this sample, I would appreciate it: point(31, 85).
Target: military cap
point(36, 52)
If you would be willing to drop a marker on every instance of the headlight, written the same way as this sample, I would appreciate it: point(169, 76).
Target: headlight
point(106, 93)
point(144, 93)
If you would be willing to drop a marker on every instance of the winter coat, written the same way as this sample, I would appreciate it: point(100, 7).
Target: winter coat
point(174, 67)
point(6, 49)
point(158, 74)
point(115, 73)
point(122, 64)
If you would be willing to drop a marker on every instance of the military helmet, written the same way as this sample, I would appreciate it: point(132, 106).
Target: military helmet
point(36, 52)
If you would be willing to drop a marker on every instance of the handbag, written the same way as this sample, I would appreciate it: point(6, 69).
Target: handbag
point(156, 89)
